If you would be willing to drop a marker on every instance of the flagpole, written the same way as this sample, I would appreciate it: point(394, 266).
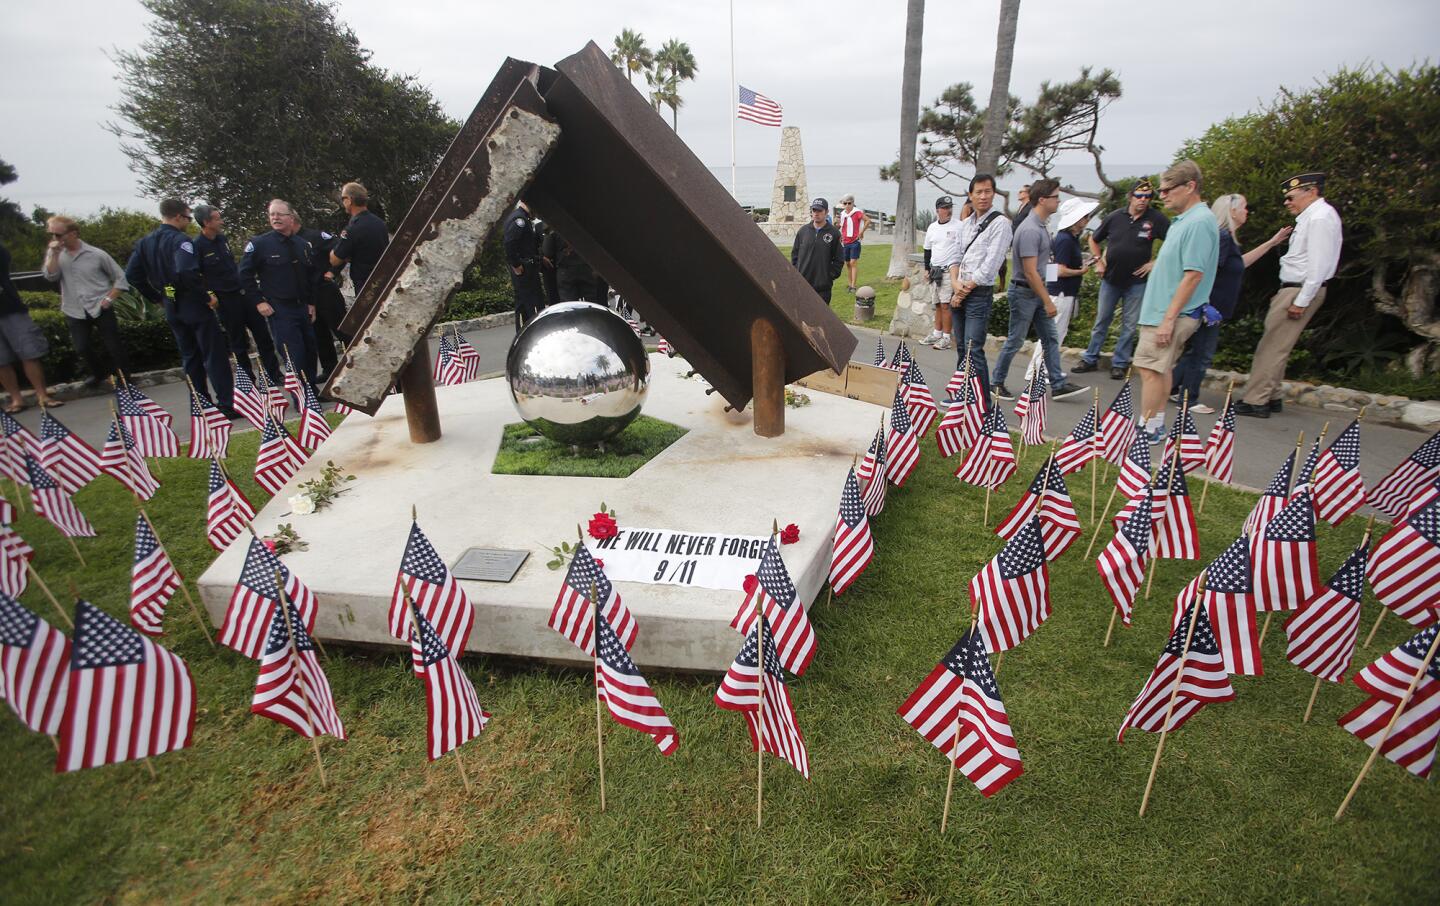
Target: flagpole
point(1208, 477)
point(599, 724)
point(1154, 560)
point(1114, 612)
point(1390, 727)
point(48, 593)
point(1103, 513)
point(1175, 691)
point(950, 782)
point(184, 589)
point(1094, 455)
point(1364, 542)
point(760, 710)
point(300, 680)
point(1376, 628)
point(733, 117)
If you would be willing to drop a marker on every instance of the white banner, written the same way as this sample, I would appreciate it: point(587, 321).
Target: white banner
point(663, 557)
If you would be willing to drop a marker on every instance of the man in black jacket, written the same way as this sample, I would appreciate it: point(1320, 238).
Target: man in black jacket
point(817, 252)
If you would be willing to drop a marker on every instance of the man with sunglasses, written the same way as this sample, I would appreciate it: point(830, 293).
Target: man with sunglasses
point(1305, 270)
point(1129, 236)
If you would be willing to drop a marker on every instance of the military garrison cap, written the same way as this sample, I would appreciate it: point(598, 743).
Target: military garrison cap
point(1303, 180)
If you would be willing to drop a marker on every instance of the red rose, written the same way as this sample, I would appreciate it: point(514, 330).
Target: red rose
point(602, 526)
point(750, 583)
point(790, 534)
point(600, 563)
point(269, 544)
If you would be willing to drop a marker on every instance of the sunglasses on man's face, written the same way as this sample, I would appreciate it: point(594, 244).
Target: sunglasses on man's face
point(58, 235)
point(1143, 196)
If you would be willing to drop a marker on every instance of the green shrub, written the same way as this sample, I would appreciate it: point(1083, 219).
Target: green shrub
point(150, 345)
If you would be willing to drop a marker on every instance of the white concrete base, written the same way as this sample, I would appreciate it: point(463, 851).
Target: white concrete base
point(719, 477)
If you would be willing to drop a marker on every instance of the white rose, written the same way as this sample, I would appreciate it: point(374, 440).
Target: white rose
point(301, 504)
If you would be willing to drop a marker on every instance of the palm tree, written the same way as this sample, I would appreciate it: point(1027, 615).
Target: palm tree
point(664, 91)
point(987, 159)
point(631, 54)
point(909, 126)
point(676, 58)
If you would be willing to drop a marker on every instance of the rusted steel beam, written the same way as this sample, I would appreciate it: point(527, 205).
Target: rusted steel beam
point(767, 358)
point(422, 414)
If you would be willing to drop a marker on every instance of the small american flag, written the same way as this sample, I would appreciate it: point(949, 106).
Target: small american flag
point(1032, 420)
point(1307, 473)
point(958, 709)
point(454, 715)
point(1272, 499)
point(1081, 445)
point(153, 436)
point(1198, 671)
point(275, 402)
point(292, 382)
point(963, 421)
point(875, 482)
point(227, 511)
point(209, 429)
point(572, 614)
point(313, 428)
point(880, 359)
point(291, 688)
point(121, 460)
point(1220, 448)
point(919, 401)
point(1412, 741)
point(341, 408)
point(435, 593)
point(34, 667)
point(902, 358)
point(1322, 632)
point(469, 356)
point(449, 370)
point(1286, 569)
point(1405, 565)
point(769, 713)
point(73, 462)
point(1012, 592)
point(1117, 428)
point(853, 547)
point(665, 349)
point(901, 447)
point(16, 442)
point(1184, 432)
point(255, 598)
point(249, 401)
point(757, 108)
point(15, 553)
point(1049, 498)
point(991, 462)
point(866, 469)
point(625, 694)
point(153, 580)
point(1121, 563)
point(1177, 538)
point(278, 457)
point(1338, 489)
point(788, 624)
point(1230, 604)
point(128, 697)
point(153, 409)
point(54, 504)
point(1134, 471)
point(1392, 495)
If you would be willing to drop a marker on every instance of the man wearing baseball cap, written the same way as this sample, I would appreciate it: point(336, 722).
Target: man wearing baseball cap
point(817, 252)
point(940, 248)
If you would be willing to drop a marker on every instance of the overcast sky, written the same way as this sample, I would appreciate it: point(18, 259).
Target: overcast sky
point(834, 66)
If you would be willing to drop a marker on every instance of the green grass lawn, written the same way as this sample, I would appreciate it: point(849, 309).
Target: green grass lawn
point(1241, 810)
point(523, 451)
point(874, 262)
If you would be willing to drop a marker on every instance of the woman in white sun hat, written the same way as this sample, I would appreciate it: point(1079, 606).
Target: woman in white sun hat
point(1062, 277)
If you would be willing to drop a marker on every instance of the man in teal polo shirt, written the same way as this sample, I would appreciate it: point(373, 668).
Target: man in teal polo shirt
point(1179, 285)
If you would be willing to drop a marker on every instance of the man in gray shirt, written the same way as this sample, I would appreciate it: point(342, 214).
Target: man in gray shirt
point(90, 282)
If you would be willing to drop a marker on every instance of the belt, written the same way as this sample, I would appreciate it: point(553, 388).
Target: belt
point(1298, 285)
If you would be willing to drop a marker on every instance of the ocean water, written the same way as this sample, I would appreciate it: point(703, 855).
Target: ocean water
point(753, 184)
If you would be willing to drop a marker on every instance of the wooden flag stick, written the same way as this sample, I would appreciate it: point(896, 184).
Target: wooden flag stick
point(1104, 515)
point(599, 723)
point(1313, 693)
point(1094, 455)
point(185, 589)
point(304, 693)
point(760, 710)
point(49, 594)
point(1174, 692)
point(950, 781)
point(999, 659)
point(1114, 613)
point(75, 549)
point(1390, 727)
point(1266, 627)
point(1376, 628)
point(985, 519)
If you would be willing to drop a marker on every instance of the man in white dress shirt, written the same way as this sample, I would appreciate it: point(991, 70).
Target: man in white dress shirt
point(1305, 270)
point(983, 241)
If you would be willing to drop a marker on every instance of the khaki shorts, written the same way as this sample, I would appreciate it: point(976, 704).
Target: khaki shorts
point(1152, 357)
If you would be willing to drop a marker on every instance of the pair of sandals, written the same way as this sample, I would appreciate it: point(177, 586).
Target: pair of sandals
point(18, 406)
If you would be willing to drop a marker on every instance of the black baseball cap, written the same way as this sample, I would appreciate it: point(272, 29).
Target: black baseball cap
point(819, 204)
point(944, 201)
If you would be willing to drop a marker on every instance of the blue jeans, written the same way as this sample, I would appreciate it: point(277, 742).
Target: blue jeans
point(967, 324)
point(1129, 323)
point(1190, 369)
point(1026, 310)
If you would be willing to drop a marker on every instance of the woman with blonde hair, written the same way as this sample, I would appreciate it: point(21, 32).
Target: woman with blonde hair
point(1231, 212)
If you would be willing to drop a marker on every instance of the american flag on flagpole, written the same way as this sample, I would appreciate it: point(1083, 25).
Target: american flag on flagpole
point(1338, 490)
point(121, 460)
point(128, 697)
point(1307, 473)
point(1229, 603)
point(757, 108)
point(665, 349)
point(153, 580)
point(772, 723)
point(1220, 448)
point(901, 448)
point(880, 359)
point(435, 593)
point(1184, 433)
point(1080, 444)
point(53, 504)
point(313, 428)
point(255, 598)
point(227, 511)
point(1134, 471)
point(1392, 495)
point(1117, 428)
point(453, 712)
point(625, 693)
point(1272, 499)
point(275, 402)
point(790, 626)
point(1193, 661)
point(572, 615)
point(1012, 593)
point(1321, 634)
point(15, 553)
point(1287, 571)
point(249, 401)
point(1404, 567)
point(292, 382)
point(1049, 498)
point(278, 457)
point(866, 469)
point(1032, 422)
point(17, 441)
point(991, 462)
point(853, 547)
point(1412, 741)
point(876, 482)
point(469, 357)
point(34, 667)
point(961, 426)
point(209, 429)
point(69, 459)
point(291, 687)
point(919, 401)
point(902, 358)
point(150, 407)
point(1177, 538)
point(1121, 563)
point(958, 709)
point(448, 369)
point(152, 436)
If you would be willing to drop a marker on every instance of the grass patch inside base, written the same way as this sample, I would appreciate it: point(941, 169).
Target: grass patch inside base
point(523, 451)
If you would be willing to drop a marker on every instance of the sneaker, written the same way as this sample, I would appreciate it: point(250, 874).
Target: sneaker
point(931, 337)
point(1175, 398)
point(1244, 408)
point(1202, 409)
point(1156, 437)
point(1116, 374)
point(1277, 405)
point(1085, 367)
point(1003, 392)
point(943, 342)
point(1066, 390)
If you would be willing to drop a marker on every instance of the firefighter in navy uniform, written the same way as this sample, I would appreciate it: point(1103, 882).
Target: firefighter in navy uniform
point(328, 300)
point(522, 254)
point(165, 258)
point(277, 273)
point(222, 280)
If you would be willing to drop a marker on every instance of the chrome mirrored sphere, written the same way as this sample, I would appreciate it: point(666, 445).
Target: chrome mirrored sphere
point(578, 373)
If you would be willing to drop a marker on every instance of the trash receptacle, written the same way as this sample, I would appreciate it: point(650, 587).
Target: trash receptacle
point(864, 303)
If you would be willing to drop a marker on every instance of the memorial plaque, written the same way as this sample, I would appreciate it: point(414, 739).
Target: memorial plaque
point(489, 564)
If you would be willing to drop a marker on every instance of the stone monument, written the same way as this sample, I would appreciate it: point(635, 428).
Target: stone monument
point(790, 197)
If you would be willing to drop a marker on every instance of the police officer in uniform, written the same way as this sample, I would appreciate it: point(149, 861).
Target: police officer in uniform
point(522, 253)
point(364, 238)
point(329, 302)
point(222, 281)
point(277, 273)
point(575, 279)
point(817, 254)
point(165, 258)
